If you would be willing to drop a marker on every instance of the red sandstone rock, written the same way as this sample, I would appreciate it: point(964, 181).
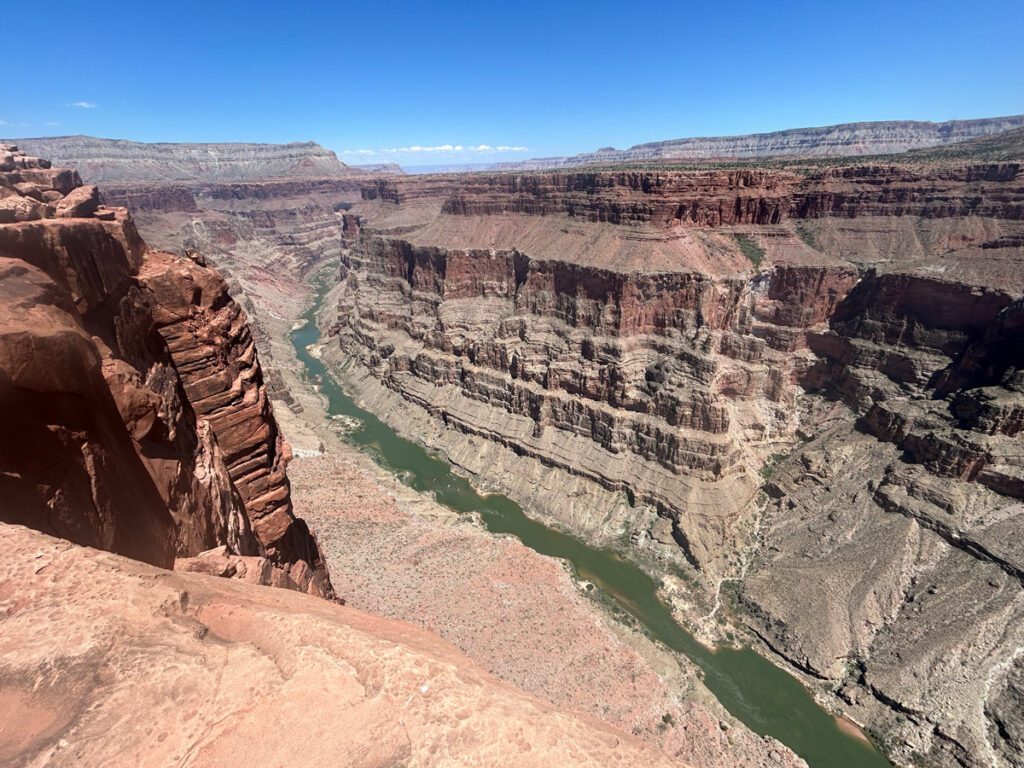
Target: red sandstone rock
point(69, 466)
point(79, 203)
point(214, 353)
point(106, 661)
point(90, 379)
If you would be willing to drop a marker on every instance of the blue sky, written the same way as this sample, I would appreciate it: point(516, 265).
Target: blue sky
point(534, 79)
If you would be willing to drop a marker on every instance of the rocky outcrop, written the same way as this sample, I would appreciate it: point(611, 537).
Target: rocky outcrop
point(878, 138)
point(105, 160)
point(117, 454)
point(107, 661)
point(69, 467)
point(214, 354)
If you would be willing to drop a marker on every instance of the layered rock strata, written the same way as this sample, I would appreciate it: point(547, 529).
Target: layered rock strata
point(717, 198)
point(243, 227)
point(264, 215)
point(876, 138)
point(105, 160)
point(129, 441)
point(214, 353)
point(679, 336)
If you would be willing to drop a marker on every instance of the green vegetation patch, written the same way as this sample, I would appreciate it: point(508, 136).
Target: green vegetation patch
point(753, 251)
point(806, 235)
point(770, 464)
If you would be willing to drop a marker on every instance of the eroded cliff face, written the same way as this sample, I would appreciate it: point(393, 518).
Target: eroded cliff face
point(617, 378)
point(105, 160)
point(215, 356)
point(568, 337)
point(874, 138)
point(127, 445)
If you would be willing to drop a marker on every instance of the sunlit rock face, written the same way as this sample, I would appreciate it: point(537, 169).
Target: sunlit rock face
point(297, 679)
point(132, 378)
point(845, 338)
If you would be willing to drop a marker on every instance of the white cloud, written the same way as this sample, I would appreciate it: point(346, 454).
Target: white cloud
point(3, 122)
point(446, 149)
point(51, 123)
point(84, 104)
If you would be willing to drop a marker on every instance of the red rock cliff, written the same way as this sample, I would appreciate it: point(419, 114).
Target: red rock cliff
point(121, 447)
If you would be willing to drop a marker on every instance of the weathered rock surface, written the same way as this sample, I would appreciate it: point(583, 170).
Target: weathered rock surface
point(108, 661)
point(877, 138)
point(69, 467)
point(567, 337)
point(213, 351)
point(114, 454)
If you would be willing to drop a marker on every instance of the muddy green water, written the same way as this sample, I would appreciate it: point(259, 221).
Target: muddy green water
point(764, 697)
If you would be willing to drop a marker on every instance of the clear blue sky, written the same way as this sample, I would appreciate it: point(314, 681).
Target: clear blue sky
point(555, 78)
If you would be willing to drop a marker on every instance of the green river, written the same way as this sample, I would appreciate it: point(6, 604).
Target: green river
point(764, 697)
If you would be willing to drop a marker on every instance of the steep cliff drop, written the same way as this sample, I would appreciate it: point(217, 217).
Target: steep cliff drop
point(141, 413)
point(798, 385)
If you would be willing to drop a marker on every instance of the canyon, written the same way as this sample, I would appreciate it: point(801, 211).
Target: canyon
point(789, 391)
point(799, 387)
point(138, 370)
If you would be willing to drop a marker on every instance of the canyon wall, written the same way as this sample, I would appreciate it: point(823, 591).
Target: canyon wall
point(133, 384)
point(716, 198)
point(848, 139)
point(105, 160)
point(264, 215)
point(242, 205)
point(804, 382)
